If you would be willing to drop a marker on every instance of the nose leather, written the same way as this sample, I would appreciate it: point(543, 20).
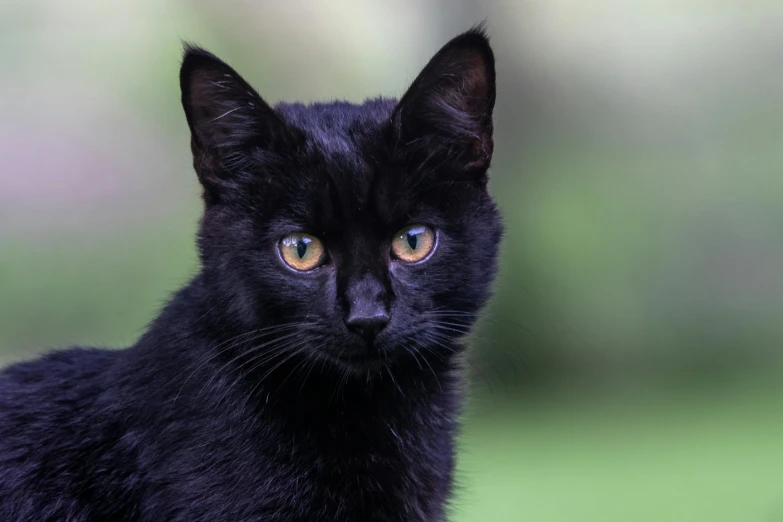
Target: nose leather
point(367, 309)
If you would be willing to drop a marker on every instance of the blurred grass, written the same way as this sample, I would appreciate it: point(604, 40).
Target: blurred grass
point(676, 456)
point(101, 292)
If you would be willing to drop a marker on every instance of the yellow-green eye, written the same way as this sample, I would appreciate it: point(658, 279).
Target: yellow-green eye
point(302, 251)
point(413, 243)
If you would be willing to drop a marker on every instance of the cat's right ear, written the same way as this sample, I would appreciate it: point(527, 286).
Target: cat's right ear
point(229, 122)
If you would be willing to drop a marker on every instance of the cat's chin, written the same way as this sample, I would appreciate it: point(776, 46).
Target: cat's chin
point(363, 362)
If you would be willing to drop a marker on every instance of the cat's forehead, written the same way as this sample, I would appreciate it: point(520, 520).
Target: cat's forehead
point(338, 158)
point(338, 128)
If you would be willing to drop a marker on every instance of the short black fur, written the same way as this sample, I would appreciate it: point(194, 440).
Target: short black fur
point(249, 398)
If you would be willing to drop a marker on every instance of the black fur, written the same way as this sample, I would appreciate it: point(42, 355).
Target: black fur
point(248, 398)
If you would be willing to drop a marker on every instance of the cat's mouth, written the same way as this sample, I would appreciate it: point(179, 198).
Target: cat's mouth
point(368, 358)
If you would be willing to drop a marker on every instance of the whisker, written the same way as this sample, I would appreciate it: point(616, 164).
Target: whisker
point(214, 352)
point(388, 370)
point(442, 345)
point(417, 347)
point(245, 353)
point(258, 361)
point(300, 364)
point(269, 372)
point(313, 362)
point(495, 345)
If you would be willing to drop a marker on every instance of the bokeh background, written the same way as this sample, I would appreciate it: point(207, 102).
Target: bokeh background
point(629, 368)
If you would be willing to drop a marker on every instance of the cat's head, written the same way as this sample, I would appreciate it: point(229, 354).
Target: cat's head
point(363, 233)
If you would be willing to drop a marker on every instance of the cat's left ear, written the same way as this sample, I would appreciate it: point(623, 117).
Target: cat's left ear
point(447, 111)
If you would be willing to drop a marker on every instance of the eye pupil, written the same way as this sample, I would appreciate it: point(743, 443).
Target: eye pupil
point(301, 248)
point(413, 240)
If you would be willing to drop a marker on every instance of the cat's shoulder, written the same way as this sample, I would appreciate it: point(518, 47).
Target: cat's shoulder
point(57, 363)
point(52, 380)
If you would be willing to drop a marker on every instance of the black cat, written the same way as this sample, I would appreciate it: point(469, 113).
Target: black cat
point(312, 370)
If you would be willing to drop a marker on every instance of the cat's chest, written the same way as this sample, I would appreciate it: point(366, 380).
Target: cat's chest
point(348, 472)
point(393, 474)
point(400, 475)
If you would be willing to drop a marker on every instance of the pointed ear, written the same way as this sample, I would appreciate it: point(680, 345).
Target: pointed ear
point(447, 111)
point(229, 122)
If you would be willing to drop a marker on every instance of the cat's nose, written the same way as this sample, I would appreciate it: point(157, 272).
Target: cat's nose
point(368, 312)
point(367, 323)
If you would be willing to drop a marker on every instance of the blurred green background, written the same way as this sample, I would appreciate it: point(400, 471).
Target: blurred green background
point(629, 368)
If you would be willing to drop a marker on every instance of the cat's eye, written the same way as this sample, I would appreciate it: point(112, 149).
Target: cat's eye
point(413, 243)
point(302, 252)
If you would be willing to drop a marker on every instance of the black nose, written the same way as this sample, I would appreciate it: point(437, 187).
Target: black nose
point(367, 308)
point(368, 325)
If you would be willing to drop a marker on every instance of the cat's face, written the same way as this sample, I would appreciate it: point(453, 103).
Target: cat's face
point(364, 233)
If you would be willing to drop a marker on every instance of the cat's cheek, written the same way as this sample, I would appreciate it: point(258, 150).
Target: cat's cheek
point(402, 274)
